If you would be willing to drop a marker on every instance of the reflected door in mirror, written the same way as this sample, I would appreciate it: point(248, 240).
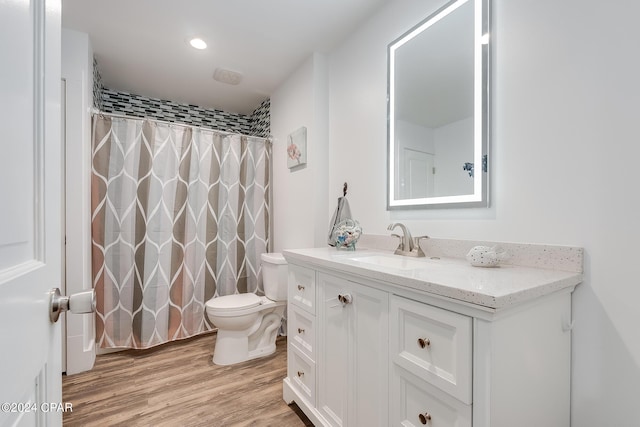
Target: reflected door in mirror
point(418, 171)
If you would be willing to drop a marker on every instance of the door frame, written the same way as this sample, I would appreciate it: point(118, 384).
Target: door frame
point(77, 73)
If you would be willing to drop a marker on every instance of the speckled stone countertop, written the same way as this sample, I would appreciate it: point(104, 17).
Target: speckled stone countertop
point(453, 277)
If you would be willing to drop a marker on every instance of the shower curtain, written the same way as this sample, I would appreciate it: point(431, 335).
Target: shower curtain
point(179, 215)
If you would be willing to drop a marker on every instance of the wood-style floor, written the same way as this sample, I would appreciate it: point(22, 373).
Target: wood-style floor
point(177, 384)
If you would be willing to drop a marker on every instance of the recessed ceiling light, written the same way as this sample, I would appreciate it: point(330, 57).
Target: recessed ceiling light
point(198, 43)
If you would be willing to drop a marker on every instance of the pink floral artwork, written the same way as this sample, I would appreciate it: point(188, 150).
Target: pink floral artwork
point(297, 148)
point(293, 152)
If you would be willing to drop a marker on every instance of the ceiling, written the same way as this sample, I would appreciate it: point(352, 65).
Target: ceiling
point(141, 46)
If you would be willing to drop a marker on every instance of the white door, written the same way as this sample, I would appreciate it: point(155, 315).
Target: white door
point(30, 185)
point(417, 181)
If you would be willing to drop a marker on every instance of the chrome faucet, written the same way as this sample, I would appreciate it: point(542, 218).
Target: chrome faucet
point(408, 246)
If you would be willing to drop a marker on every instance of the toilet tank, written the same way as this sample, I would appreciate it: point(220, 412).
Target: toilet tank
point(274, 276)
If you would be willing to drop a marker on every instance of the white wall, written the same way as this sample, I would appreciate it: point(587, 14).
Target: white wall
point(566, 97)
point(300, 195)
point(412, 136)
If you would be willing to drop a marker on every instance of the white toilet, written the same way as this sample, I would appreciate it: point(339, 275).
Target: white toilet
point(248, 324)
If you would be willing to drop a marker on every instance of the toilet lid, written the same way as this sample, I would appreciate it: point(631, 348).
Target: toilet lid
point(234, 302)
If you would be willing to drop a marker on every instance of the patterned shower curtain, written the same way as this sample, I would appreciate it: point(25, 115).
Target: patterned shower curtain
point(179, 215)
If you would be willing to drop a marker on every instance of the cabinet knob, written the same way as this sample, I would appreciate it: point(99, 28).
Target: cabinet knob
point(300, 373)
point(424, 342)
point(424, 418)
point(300, 331)
point(300, 288)
point(345, 299)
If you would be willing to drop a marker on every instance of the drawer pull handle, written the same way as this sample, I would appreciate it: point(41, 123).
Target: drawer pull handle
point(300, 373)
point(425, 418)
point(300, 288)
point(424, 342)
point(300, 331)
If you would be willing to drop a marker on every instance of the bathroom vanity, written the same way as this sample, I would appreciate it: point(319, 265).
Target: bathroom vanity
point(376, 339)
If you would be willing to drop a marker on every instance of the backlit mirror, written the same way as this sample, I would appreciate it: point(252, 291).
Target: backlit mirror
point(438, 110)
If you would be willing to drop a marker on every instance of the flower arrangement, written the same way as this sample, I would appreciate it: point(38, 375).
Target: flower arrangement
point(346, 233)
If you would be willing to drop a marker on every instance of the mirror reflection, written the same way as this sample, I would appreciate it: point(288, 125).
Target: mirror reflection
point(437, 114)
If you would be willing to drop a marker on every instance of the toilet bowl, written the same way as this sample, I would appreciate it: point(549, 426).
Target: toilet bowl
point(248, 324)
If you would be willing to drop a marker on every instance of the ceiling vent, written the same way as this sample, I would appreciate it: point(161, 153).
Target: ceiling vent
point(227, 76)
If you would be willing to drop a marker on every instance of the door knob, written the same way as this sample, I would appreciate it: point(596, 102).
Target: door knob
point(81, 302)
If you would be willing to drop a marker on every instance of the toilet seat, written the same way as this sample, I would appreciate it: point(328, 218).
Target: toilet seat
point(237, 302)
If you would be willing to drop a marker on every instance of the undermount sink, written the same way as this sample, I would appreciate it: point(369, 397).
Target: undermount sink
point(397, 262)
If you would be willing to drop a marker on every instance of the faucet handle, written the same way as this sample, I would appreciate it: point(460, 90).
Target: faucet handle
point(400, 241)
point(416, 246)
point(417, 239)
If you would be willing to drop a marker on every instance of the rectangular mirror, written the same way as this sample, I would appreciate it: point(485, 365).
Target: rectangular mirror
point(438, 113)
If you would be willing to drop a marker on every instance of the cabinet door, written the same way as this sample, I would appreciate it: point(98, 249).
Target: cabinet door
point(415, 402)
point(302, 287)
point(301, 331)
point(368, 324)
point(433, 344)
point(333, 357)
point(353, 355)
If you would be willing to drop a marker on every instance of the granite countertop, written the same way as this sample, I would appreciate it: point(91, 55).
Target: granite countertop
point(495, 288)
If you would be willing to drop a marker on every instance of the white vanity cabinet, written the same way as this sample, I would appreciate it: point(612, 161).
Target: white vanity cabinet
point(372, 348)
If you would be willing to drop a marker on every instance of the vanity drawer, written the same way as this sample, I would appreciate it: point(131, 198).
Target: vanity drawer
point(301, 331)
point(302, 374)
point(433, 344)
point(417, 403)
point(302, 287)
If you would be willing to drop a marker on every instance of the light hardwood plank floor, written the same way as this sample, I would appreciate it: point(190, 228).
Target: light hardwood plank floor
point(177, 384)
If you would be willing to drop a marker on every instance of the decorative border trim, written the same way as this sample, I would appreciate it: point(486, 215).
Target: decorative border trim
point(112, 101)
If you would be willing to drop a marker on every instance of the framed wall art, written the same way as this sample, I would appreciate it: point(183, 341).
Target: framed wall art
point(297, 148)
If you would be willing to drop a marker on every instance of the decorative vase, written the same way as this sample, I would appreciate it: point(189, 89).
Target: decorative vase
point(346, 233)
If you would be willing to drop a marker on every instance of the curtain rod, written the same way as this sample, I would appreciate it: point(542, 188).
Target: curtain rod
point(124, 116)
